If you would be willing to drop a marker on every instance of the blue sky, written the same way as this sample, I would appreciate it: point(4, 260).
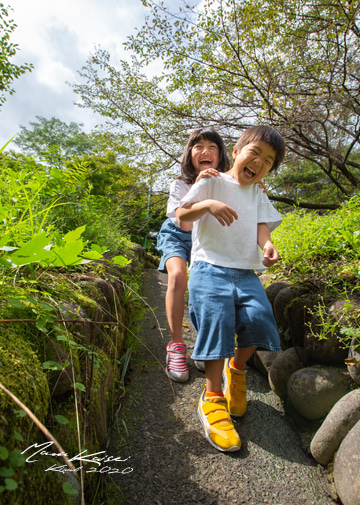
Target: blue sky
point(57, 37)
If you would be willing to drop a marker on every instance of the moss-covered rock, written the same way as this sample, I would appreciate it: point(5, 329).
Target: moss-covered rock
point(22, 374)
point(90, 352)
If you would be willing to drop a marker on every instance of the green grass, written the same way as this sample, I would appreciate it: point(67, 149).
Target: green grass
point(321, 250)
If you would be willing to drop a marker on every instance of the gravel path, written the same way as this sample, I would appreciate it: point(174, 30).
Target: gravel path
point(171, 460)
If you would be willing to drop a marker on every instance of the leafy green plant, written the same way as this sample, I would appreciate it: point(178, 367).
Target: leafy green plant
point(305, 235)
point(321, 249)
point(345, 327)
point(22, 210)
point(41, 250)
point(8, 71)
point(10, 461)
point(51, 249)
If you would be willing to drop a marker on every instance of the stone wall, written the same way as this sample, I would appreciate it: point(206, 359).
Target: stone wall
point(317, 378)
point(76, 401)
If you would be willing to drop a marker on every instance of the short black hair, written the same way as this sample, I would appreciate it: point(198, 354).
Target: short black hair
point(265, 134)
point(188, 173)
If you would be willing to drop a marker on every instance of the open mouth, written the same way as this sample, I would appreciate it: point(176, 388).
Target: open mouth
point(249, 171)
point(205, 160)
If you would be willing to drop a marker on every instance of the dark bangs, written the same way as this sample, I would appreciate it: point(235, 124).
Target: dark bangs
point(188, 173)
point(266, 134)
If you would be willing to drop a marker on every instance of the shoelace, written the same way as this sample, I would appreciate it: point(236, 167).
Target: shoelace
point(177, 359)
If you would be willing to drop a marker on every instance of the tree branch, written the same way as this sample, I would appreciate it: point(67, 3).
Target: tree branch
point(303, 205)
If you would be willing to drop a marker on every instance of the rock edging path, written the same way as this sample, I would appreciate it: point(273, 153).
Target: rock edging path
point(171, 460)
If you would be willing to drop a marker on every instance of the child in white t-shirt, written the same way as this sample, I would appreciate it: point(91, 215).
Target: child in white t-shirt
point(232, 218)
point(204, 156)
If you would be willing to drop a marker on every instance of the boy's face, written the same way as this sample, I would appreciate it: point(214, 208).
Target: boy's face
point(204, 154)
point(252, 162)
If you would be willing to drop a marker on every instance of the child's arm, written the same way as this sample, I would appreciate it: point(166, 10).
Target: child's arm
point(270, 253)
point(194, 211)
point(184, 225)
point(204, 174)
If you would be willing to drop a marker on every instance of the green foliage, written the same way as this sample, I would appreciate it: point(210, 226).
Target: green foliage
point(112, 193)
point(350, 332)
point(305, 236)
point(22, 209)
point(11, 461)
point(44, 203)
point(321, 251)
point(68, 489)
point(48, 218)
point(345, 327)
point(52, 250)
point(302, 181)
point(109, 198)
point(8, 71)
point(45, 133)
point(221, 67)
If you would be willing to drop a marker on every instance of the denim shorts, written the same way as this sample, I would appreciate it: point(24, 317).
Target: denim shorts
point(173, 241)
point(228, 301)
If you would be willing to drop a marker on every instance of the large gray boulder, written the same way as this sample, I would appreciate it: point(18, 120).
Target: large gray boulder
point(347, 468)
point(283, 366)
point(283, 301)
point(337, 424)
point(264, 359)
point(324, 342)
point(298, 315)
point(353, 362)
point(314, 391)
point(274, 289)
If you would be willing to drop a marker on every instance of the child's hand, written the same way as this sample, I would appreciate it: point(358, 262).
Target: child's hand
point(262, 185)
point(206, 174)
point(270, 254)
point(223, 213)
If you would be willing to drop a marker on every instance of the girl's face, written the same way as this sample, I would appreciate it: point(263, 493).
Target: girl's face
point(204, 154)
point(252, 162)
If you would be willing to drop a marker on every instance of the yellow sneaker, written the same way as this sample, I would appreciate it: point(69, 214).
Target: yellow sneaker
point(218, 426)
point(234, 389)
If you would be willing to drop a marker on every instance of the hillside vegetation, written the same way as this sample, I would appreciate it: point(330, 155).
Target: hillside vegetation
point(322, 252)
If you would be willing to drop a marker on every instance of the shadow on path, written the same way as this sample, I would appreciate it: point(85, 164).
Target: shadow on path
point(171, 460)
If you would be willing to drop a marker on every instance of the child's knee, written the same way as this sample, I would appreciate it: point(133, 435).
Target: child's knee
point(178, 280)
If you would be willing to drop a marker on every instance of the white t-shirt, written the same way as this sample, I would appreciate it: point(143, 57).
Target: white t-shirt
point(178, 189)
point(233, 246)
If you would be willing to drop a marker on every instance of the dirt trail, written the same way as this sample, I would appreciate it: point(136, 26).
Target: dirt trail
point(171, 460)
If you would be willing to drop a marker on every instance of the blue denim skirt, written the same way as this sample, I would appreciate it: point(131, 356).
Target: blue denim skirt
point(173, 241)
point(225, 302)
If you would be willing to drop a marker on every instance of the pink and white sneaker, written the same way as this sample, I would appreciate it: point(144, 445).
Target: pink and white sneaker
point(176, 365)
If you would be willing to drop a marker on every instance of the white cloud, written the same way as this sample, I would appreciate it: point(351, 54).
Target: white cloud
point(57, 37)
point(52, 74)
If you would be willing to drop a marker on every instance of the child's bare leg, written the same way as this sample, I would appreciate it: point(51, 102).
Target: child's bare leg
point(242, 355)
point(174, 301)
point(176, 351)
point(213, 372)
